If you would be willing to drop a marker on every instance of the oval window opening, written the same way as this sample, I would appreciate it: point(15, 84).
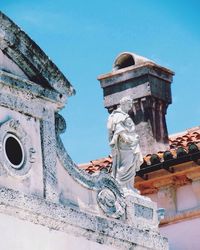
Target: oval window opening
point(14, 151)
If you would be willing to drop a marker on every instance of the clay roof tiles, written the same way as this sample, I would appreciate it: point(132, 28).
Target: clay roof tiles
point(182, 146)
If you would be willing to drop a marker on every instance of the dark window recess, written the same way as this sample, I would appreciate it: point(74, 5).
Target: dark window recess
point(13, 151)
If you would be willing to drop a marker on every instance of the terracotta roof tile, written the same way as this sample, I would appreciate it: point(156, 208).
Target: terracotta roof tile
point(180, 145)
point(183, 139)
point(95, 166)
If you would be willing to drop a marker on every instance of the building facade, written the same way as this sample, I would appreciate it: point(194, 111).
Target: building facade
point(46, 201)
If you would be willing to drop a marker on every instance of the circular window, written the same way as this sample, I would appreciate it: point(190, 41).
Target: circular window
point(14, 151)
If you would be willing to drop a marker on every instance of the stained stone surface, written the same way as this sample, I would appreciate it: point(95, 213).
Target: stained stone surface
point(144, 212)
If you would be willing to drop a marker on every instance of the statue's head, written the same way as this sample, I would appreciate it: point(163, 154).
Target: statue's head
point(126, 103)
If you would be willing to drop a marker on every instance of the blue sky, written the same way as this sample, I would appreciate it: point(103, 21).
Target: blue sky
point(84, 37)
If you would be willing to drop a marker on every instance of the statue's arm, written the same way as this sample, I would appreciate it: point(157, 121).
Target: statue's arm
point(119, 132)
point(110, 135)
point(125, 137)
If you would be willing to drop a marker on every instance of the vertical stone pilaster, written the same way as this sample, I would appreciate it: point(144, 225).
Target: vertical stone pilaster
point(167, 197)
point(158, 119)
point(48, 139)
point(195, 177)
point(196, 189)
point(163, 124)
point(152, 109)
point(149, 116)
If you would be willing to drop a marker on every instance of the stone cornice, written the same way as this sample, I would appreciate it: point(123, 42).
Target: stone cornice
point(134, 71)
point(183, 174)
point(181, 216)
point(27, 86)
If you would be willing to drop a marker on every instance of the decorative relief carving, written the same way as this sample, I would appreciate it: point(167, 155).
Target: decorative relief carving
point(110, 204)
point(16, 150)
point(14, 124)
point(32, 156)
point(60, 124)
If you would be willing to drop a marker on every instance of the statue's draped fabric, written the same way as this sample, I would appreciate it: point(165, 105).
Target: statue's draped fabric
point(124, 141)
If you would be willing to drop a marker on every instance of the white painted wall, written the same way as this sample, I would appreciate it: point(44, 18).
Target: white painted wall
point(185, 198)
point(184, 235)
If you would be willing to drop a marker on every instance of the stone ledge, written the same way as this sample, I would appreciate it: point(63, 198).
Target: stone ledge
point(181, 216)
point(133, 71)
point(25, 102)
point(30, 87)
point(62, 218)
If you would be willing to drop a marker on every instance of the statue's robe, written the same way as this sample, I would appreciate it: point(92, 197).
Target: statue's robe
point(124, 141)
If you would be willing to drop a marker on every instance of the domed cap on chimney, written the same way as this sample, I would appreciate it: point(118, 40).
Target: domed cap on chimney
point(127, 59)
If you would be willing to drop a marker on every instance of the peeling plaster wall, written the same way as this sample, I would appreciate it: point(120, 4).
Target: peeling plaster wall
point(182, 229)
point(185, 198)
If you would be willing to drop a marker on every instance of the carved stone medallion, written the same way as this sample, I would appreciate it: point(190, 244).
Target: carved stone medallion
point(110, 204)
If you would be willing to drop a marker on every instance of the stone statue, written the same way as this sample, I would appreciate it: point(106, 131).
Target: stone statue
point(124, 142)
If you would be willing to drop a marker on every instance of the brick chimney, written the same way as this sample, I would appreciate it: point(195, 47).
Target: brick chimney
point(149, 84)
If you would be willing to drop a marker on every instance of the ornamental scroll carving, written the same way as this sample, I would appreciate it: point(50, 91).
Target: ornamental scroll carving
point(109, 193)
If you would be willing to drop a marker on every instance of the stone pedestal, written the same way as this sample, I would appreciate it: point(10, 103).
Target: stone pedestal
point(142, 212)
